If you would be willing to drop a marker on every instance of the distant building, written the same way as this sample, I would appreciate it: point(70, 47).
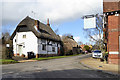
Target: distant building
point(33, 36)
point(69, 43)
point(82, 46)
point(111, 9)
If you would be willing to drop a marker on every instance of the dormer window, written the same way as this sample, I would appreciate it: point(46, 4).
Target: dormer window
point(36, 26)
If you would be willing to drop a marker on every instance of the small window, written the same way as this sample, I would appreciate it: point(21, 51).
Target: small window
point(43, 47)
point(53, 42)
point(43, 41)
point(24, 36)
point(53, 49)
point(15, 40)
point(23, 46)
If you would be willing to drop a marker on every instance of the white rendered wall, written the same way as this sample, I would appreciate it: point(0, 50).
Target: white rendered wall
point(30, 42)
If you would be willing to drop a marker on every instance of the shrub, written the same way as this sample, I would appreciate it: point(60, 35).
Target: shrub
point(86, 47)
point(69, 53)
point(7, 53)
point(106, 53)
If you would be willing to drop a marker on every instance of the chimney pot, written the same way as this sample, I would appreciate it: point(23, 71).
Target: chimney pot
point(48, 22)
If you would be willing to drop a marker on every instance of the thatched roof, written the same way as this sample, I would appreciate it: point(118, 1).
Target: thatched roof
point(69, 43)
point(45, 31)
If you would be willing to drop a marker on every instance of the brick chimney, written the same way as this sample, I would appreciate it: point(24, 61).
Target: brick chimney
point(48, 22)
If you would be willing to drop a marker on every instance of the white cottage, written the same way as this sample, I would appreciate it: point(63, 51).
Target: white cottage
point(33, 36)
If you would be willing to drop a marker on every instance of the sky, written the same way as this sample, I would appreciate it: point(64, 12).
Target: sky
point(64, 15)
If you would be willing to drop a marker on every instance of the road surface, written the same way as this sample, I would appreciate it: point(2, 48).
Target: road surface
point(69, 67)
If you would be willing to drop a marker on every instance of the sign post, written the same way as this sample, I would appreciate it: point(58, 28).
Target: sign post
point(8, 51)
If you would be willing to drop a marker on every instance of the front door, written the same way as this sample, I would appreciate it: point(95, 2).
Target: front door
point(20, 50)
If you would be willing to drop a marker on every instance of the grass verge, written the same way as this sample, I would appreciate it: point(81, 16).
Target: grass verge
point(7, 61)
point(54, 57)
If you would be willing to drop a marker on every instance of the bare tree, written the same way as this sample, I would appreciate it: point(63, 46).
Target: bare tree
point(6, 51)
point(80, 42)
point(94, 35)
point(68, 36)
point(5, 37)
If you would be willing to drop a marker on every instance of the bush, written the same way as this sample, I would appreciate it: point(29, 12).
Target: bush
point(69, 53)
point(106, 53)
point(86, 47)
point(61, 50)
point(7, 53)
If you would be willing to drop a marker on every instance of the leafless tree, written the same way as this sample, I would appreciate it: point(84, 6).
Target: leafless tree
point(80, 42)
point(95, 35)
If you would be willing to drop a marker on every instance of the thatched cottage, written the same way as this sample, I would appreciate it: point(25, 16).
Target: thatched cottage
point(33, 36)
point(69, 44)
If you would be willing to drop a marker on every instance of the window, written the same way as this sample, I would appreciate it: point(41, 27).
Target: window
point(15, 40)
point(43, 41)
point(24, 36)
point(53, 49)
point(53, 42)
point(43, 47)
point(35, 28)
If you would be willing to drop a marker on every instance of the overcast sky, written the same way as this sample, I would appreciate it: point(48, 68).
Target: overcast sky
point(60, 12)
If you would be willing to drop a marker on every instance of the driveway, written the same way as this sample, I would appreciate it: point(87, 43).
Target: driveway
point(68, 67)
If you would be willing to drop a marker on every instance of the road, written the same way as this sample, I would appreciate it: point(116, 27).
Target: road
point(69, 67)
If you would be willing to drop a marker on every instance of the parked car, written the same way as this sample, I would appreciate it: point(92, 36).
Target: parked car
point(97, 54)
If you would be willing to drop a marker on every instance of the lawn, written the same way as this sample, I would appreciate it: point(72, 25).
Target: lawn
point(54, 57)
point(7, 61)
point(10, 61)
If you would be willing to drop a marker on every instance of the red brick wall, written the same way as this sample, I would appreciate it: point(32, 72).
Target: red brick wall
point(113, 33)
point(119, 25)
point(111, 6)
point(114, 56)
point(113, 61)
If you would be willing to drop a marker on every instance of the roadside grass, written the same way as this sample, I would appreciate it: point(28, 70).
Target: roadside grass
point(10, 61)
point(54, 57)
point(7, 61)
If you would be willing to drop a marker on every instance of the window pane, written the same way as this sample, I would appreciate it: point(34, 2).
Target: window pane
point(24, 36)
point(53, 49)
point(43, 47)
point(43, 41)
